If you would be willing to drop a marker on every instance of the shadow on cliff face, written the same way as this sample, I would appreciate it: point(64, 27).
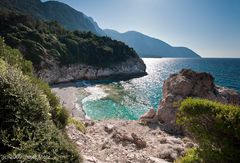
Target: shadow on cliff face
point(104, 80)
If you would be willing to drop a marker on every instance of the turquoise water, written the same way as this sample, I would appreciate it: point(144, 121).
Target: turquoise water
point(130, 99)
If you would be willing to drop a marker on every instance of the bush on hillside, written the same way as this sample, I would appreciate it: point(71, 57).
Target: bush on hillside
point(78, 124)
point(14, 58)
point(59, 114)
point(215, 127)
point(48, 43)
point(191, 156)
point(26, 130)
point(22, 103)
point(27, 112)
point(44, 144)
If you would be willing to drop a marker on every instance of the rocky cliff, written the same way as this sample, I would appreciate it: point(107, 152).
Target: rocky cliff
point(59, 55)
point(130, 68)
point(188, 83)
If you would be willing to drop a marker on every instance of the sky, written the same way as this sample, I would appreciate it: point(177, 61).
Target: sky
point(211, 28)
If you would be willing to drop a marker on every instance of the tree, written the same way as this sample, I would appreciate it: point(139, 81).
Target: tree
point(214, 126)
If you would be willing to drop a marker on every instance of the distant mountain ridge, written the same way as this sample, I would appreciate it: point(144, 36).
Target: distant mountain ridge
point(53, 10)
point(147, 46)
point(72, 19)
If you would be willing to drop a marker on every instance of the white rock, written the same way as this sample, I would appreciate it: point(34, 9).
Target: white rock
point(157, 160)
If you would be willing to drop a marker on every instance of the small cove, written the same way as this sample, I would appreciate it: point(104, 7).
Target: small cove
point(106, 99)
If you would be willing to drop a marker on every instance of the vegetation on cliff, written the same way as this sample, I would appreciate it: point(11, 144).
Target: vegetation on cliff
point(53, 10)
point(48, 43)
point(31, 117)
point(215, 127)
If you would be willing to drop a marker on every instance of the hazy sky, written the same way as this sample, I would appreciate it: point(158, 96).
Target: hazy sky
point(209, 27)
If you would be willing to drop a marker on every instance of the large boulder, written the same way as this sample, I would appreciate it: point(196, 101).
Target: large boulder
point(149, 116)
point(188, 83)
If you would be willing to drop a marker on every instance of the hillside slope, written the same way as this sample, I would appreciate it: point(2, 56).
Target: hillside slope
point(59, 55)
point(52, 10)
point(150, 47)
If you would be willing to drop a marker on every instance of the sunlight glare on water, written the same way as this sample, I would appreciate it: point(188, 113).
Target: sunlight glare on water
point(130, 99)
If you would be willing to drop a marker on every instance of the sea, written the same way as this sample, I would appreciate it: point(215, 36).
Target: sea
point(129, 99)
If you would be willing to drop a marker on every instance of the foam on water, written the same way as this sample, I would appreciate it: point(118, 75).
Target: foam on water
point(95, 93)
point(130, 99)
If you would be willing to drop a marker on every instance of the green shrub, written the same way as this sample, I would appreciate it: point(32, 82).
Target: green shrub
point(44, 144)
point(215, 127)
point(14, 58)
point(60, 116)
point(26, 130)
point(191, 156)
point(58, 112)
point(22, 103)
point(79, 125)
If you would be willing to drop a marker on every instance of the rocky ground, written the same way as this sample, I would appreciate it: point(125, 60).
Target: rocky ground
point(127, 142)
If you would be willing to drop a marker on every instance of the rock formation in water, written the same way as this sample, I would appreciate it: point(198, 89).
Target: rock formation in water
point(188, 83)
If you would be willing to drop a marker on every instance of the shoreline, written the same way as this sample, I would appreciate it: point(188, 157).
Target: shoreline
point(119, 77)
point(67, 94)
